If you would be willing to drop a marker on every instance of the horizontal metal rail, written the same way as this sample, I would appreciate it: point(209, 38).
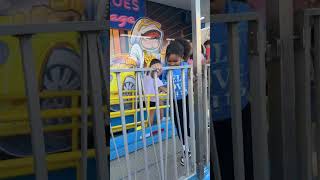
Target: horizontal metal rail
point(81, 26)
point(234, 17)
point(24, 166)
point(148, 69)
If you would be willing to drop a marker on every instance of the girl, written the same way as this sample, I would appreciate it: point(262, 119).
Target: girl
point(174, 57)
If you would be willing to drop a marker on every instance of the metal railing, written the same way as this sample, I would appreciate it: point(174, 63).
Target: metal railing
point(89, 31)
point(206, 102)
point(166, 167)
point(257, 92)
point(307, 96)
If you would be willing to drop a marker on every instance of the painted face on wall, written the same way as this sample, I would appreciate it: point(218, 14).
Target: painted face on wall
point(151, 39)
point(148, 35)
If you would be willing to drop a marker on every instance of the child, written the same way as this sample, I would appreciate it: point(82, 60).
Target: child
point(174, 57)
point(148, 82)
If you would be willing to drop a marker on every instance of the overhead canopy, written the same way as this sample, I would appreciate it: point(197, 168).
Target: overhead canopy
point(186, 4)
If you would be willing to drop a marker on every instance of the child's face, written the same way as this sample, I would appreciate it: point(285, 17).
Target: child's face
point(157, 66)
point(174, 60)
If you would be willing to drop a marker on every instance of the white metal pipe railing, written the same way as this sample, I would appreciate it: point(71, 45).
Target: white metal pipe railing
point(171, 109)
point(142, 123)
point(317, 93)
point(306, 21)
point(37, 137)
point(84, 108)
point(236, 115)
point(206, 102)
point(198, 110)
point(124, 127)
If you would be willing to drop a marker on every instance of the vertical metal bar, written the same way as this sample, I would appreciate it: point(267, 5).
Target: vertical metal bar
point(214, 158)
point(143, 125)
point(205, 109)
point(123, 122)
point(281, 91)
point(98, 121)
point(36, 126)
point(258, 104)
point(170, 82)
point(191, 116)
point(317, 92)
point(237, 135)
point(159, 125)
point(146, 99)
point(184, 111)
point(303, 99)
point(288, 90)
point(84, 107)
point(136, 121)
point(167, 130)
point(199, 123)
point(116, 149)
point(101, 9)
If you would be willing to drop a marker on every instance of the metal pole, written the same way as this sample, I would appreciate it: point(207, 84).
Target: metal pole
point(185, 123)
point(258, 95)
point(36, 126)
point(191, 119)
point(199, 122)
point(159, 125)
point(123, 122)
point(281, 91)
point(303, 98)
point(237, 135)
point(205, 110)
point(170, 82)
point(98, 118)
point(317, 93)
point(167, 129)
point(84, 107)
point(143, 125)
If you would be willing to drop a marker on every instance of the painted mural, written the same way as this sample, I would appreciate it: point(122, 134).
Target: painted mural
point(134, 49)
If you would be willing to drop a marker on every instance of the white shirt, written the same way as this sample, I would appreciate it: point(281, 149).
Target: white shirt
point(148, 83)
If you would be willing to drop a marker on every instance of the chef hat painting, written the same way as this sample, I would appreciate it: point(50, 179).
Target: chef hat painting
point(147, 29)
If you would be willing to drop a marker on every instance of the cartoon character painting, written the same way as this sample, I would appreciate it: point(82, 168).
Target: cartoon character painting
point(146, 41)
point(146, 44)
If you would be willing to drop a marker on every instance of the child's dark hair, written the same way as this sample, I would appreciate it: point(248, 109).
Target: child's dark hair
point(206, 43)
point(175, 48)
point(186, 46)
point(154, 61)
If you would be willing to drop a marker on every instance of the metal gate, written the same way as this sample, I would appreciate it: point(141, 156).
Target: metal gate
point(92, 72)
point(153, 151)
point(257, 73)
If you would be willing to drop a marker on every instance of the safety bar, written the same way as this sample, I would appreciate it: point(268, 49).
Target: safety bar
point(306, 21)
point(81, 26)
point(173, 106)
point(89, 33)
point(257, 90)
point(206, 108)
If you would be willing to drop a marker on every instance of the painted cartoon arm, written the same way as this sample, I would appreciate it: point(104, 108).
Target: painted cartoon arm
point(137, 53)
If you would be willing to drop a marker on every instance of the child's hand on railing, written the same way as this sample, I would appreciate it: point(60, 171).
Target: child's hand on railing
point(163, 90)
